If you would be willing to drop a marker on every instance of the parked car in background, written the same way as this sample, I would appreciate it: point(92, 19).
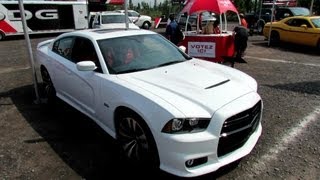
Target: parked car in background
point(142, 21)
point(166, 109)
point(110, 20)
point(256, 21)
point(304, 30)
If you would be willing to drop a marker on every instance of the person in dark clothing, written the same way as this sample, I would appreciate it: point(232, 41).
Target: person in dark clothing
point(240, 42)
point(172, 30)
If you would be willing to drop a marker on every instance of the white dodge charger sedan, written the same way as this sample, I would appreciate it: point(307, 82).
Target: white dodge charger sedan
point(166, 109)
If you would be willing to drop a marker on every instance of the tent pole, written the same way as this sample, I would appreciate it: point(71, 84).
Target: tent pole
point(311, 6)
point(272, 14)
point(220, 19)
point(126, 13)
point(26, 36)
point(225, 22)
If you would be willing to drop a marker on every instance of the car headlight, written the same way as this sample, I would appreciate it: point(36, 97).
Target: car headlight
point(186, 125)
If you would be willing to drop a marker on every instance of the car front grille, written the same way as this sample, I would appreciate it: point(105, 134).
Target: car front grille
point(237, 129)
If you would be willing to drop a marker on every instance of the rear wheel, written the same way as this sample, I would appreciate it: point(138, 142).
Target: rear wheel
point(49, 91)
point(136, 141)
point(146, 25)
point(2, 36)
point(274, 38)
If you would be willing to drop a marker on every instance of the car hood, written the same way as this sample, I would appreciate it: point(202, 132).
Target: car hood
point(119, 25)
point(194, 87)
point(144, 17)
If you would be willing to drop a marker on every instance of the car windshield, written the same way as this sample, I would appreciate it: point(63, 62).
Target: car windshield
point(140, 52)
point(300, 11)
point(117, 18)
point(316, 22)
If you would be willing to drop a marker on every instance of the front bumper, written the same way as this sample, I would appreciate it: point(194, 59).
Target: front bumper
point(176, 149)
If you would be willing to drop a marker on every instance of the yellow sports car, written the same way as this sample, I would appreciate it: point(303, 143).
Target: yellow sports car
point(303, 30)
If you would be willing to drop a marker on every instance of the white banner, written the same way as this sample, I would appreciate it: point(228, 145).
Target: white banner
point(202, 49)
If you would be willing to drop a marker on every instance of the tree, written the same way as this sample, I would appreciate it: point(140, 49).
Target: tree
point(130, 4)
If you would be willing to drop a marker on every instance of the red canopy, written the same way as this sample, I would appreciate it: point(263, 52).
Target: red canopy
point(215, 6)
point(115, 2)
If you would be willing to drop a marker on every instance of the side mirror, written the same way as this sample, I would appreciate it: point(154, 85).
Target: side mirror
point(182, 48)
point(86, 66)
point(304, 26)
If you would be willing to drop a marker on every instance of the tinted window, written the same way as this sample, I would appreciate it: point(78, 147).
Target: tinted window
point(298, 22)
point(83, 50)
point(63, 47)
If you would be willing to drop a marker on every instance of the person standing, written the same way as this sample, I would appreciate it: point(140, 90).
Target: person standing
point(243, 20)
point(172, 29)
point(240, 42)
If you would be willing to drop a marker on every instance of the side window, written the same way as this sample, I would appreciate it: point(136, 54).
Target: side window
point(63, 47)
point(289, 22)
point(83, 50)
point(303, 22)
point(292, 22)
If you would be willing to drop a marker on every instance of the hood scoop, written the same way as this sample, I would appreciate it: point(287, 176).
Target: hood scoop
point(218, 84)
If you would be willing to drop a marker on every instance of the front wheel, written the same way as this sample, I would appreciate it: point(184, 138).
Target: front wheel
point(136, 141)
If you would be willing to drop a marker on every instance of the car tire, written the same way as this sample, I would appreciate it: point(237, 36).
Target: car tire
point(49, 92)
point(2, 35)
point(260, 27)
point(275, 38)
point(136, 141)
point(146, 25)
point(318, 45)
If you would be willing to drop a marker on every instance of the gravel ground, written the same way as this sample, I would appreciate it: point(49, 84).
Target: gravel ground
point(42, 143)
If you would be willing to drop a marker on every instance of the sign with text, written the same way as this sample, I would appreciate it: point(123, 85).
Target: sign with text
point(202, 49)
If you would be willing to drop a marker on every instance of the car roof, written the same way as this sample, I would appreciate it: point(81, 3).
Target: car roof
point(98, 34)
point(122, 10)
point(111, 13)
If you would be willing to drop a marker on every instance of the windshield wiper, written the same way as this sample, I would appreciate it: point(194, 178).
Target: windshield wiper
point(131, 70)
point(169, 63)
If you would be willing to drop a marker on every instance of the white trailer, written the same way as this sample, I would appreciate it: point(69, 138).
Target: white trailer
point(42, 17)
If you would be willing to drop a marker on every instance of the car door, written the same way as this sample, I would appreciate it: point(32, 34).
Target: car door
point(80, 86)
point(306, 35)
point(302, 32)
point(290, 31)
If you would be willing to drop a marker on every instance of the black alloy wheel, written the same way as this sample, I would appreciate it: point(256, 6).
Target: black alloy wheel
point(136, 141)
